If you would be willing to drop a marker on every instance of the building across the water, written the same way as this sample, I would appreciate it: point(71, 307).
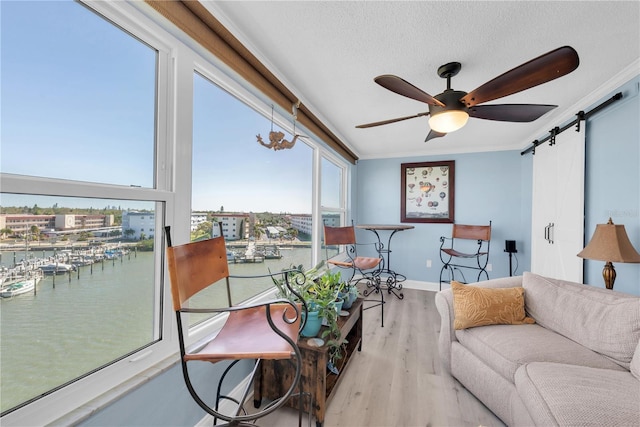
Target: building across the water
point(198, 218)
point(304, 224)
point(234, 226)
point(142, 224)
point(21, 224)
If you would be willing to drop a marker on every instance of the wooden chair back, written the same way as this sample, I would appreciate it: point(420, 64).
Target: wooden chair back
point(195, 266)
point(471, 232)
point(339, 235)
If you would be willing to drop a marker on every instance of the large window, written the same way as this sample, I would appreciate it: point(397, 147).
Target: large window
point(74, 297)
point(259, 195)
point(78, 96)
point(79, 260)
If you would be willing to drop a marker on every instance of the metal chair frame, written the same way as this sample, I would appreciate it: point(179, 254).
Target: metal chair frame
point(290, 315)
point(482, 235)
point(367, 267)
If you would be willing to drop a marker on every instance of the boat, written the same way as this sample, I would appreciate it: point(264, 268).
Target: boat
point(230, 256)
point(19, 287)
point(80, 260)
point(272, 252)
point(57, 268)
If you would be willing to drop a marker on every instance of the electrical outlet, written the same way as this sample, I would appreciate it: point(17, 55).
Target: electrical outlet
point(489, 267)
point(428, 263)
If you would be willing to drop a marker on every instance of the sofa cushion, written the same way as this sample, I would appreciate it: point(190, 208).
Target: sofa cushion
point(476, 306)
point(569, 395)
point(605, 321)
point(506, 347)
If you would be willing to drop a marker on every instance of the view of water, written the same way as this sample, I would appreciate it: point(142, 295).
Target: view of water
point(62, 332)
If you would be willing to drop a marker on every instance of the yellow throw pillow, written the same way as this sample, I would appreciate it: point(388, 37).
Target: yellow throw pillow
point(476, 306)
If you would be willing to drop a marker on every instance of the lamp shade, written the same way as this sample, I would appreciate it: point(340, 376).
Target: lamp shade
point(448, 121)
point(610, 243)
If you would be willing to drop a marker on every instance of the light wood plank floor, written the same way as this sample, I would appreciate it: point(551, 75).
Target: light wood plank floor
point(397, 379)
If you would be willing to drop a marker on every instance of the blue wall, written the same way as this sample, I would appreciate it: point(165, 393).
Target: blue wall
point(494, 186)
point(165, 400)
point(497, 186)
point(612, 186)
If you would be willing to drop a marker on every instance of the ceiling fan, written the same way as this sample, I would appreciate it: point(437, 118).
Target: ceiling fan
point(450, 110)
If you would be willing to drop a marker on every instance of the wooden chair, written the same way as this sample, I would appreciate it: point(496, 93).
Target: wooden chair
point(259, 331)
point(479, 250)
point(366, 267)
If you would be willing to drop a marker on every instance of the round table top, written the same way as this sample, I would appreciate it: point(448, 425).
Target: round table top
point(385, 226)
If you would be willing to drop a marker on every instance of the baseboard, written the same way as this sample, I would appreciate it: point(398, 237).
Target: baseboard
point(423, 286)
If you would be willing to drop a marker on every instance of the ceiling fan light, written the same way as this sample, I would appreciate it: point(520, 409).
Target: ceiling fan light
point(448, 121)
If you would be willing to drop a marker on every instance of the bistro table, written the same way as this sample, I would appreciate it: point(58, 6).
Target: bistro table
point(394, 280)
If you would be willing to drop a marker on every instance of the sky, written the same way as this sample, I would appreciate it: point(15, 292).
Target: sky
point(77, 103)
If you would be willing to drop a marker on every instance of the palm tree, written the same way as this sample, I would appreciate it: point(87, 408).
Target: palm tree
point(5, 232)
point(35, 232)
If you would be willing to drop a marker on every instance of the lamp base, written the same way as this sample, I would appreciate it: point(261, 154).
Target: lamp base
point(609, 275)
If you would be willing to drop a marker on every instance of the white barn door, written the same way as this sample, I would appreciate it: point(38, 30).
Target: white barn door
point(558, 207)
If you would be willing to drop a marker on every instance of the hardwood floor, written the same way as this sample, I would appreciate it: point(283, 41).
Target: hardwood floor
point(397, 380)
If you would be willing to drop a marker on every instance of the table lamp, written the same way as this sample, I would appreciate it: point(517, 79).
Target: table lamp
point(610, 243)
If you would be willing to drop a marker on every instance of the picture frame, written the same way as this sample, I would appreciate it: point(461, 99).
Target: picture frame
point(427, 192)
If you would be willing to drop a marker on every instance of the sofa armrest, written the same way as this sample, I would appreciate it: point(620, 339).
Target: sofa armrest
point(444, 304)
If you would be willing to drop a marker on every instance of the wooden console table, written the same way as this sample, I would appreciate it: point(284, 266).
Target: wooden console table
point(275, 376)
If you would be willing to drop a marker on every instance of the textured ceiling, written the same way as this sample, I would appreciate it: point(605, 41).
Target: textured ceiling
point(329, 52)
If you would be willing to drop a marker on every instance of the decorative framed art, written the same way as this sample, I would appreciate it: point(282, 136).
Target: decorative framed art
point(427, 192)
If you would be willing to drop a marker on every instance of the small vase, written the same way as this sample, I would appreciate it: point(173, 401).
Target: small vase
point(345, 297)
point(337, 304)
point(350, 298)
point(312, 327)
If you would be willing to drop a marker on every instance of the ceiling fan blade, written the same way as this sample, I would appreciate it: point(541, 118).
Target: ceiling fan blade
point(386, 122)
point(510, 112)
point(434, 134)
point(540, 70)
point(404, 88)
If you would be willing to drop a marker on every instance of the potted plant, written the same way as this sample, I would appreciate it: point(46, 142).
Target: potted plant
point(348, 292)
point(328, 290)
point(319, 290)
point(301, 284)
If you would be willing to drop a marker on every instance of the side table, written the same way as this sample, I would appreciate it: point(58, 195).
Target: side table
point(275, 376)
point(394, 279)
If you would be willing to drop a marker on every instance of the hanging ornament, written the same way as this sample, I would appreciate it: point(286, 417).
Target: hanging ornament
point(276, 138)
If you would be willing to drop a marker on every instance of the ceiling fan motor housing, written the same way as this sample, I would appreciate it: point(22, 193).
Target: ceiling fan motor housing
point(451, 99)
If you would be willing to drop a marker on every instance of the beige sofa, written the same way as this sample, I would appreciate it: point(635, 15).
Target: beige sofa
point(579, 364)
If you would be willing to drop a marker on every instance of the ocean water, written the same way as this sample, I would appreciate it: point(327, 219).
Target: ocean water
point(79, 324)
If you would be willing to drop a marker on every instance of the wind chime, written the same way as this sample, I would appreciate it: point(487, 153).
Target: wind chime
point(276, 138)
